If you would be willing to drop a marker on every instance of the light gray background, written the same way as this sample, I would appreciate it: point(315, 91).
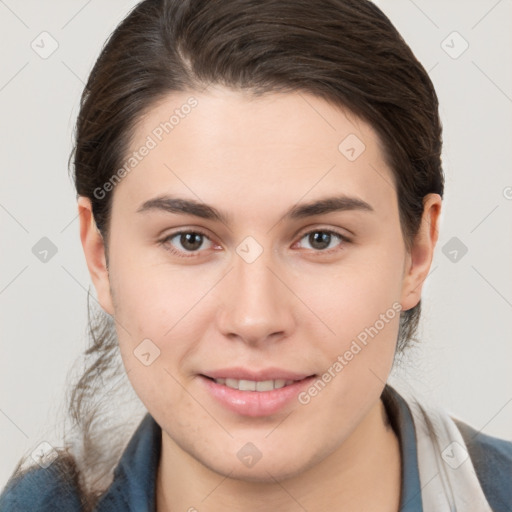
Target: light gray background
point(464, 363)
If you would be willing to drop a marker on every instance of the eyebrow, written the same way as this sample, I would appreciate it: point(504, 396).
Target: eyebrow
point(192, 207)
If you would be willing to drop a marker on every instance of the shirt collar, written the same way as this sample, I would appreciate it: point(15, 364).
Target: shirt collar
point(402, 422)
point(134, 483)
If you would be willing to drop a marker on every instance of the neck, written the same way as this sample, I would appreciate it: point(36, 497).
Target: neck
point(368, 460)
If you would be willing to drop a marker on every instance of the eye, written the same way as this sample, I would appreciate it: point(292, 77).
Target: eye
point(190, 241)
point(324, 240)
point(186, 244)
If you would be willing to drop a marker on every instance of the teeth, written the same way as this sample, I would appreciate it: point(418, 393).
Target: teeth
point(232, 383)
point(246, 385)
point(252, 385)
point(267, 385)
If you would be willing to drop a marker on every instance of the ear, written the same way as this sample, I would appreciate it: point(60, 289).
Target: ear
point(94, 251)
point(419, 259)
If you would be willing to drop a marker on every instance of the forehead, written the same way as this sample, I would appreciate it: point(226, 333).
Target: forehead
point(228, 147)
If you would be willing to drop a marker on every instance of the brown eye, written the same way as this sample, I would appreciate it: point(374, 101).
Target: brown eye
point(185, 242)
point(191, 241)
point(319, 239)
point(324, 240)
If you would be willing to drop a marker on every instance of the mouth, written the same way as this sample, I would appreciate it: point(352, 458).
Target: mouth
point(253, 385)
point(256, 394)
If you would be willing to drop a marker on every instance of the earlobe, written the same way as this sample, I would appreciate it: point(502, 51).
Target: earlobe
point(422, 252)
point(94, 251)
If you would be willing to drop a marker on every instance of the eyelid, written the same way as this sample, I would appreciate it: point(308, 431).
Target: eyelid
point(325, 229)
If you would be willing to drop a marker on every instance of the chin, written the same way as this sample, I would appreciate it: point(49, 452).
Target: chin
point(264, 472)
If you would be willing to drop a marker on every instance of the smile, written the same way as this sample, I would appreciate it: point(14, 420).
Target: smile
point(253, 385)
point(257, 394)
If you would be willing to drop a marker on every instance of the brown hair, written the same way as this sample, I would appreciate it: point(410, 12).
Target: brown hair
point(344, 51)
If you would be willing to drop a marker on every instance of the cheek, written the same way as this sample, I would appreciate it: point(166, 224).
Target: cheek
point(158, 328)
point(354, 294)
point(162, 304)
point(360, 303)
point(362, 310)
point(155, 297)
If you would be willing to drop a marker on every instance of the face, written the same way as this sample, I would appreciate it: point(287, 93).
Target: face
point(256, 273)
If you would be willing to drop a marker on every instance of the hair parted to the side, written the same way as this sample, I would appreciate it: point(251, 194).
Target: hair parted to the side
point(344, 51)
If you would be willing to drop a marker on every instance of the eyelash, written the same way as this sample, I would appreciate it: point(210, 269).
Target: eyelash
point(193, 254)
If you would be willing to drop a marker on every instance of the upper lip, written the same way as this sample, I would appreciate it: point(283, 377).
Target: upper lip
point(255, 375)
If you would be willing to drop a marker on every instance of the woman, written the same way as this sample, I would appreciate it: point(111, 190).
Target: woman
point(259, 186)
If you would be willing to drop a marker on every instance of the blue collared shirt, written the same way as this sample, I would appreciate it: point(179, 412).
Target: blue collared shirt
point(133, 485)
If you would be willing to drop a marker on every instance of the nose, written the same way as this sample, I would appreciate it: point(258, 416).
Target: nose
point(257, 305)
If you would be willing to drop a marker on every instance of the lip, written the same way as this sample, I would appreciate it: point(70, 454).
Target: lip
point(258, 375)
point(254, 403)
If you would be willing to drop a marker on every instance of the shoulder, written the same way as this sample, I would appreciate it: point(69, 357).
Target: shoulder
point(41, 489)
point(492, 459)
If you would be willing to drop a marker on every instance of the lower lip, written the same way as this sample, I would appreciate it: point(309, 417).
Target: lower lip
point(255, 403)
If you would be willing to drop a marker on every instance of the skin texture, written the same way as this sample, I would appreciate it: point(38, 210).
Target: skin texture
point(295, 307)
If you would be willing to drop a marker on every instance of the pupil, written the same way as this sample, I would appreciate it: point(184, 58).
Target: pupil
point(320, 239)
point(191, 241)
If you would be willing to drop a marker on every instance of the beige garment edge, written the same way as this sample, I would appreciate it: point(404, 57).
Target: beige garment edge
point(447, 476)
